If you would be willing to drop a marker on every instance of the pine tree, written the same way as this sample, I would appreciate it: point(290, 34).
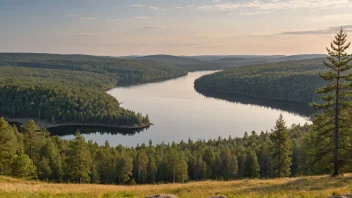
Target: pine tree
point(51, 152)
point(31, 139)
point(332, 125)
point(146, 119)
point(251, 165)
point(152, 170)
point(141, 165)
point(8, 146)
point(44, 169)
point(124, 168)
point(281, 149)
point(79, 162)
point(23, 167)
point(177, 165)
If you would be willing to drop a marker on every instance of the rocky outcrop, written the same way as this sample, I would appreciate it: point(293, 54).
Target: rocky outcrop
point(341, 196)
point(161, 196)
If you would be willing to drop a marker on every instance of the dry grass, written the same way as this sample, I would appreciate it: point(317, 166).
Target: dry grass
point(317, 186)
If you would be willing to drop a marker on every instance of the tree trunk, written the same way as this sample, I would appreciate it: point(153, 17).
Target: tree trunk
point(336, 135)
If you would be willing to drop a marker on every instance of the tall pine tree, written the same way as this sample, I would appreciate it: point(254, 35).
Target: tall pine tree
point(281, 149)
point(79, 162)
point(8, 146)
point(332, 126)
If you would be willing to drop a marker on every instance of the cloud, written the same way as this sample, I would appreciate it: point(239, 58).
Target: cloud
point(274, 5)
point(334, 17)
point(79, 34)
point(254, 13)
point(139, 17)
point(153, 27)
point(330, 30)
point(186, 7)
point(145, 6)
point(72, 15)
point(87, 18)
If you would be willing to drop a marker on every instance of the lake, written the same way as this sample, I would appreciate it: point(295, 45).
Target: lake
point(179, 112)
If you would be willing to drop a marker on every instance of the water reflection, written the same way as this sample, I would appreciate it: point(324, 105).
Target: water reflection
point(69, 130)
point(178, 112)
point(301, 109)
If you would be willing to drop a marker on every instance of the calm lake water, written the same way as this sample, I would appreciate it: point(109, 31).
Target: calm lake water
point(179, 112)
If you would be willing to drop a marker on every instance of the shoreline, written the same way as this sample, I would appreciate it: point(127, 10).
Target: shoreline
point(200, 90)
point(47, 125)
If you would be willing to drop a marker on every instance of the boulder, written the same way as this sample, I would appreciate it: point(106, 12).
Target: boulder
point(218, 196)
point(161, 196)
point(341, 196)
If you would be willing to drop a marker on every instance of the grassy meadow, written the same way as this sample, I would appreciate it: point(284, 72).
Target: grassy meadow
point(316, 186)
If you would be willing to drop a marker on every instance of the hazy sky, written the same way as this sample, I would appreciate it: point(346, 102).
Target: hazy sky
point(179, 27)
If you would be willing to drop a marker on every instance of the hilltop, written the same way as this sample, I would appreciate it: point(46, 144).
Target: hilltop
point(198, 63)
point(63, 89)
point(294, 81)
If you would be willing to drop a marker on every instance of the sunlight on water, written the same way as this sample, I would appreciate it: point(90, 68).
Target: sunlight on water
point(178, 112)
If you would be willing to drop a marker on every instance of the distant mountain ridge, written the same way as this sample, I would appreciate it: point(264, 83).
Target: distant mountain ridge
point(219, 62)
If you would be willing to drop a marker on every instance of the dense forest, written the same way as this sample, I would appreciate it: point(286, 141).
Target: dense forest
point(125, 72)
point(33, 154)
point(291, 80)
point(57, 103)
point(198, 63)
point(71, 88)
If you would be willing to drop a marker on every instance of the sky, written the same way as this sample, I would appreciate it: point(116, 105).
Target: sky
point(177, 27)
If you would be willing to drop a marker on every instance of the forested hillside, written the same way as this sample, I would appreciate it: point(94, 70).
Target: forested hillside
point(125, 72)
point(197, 63)
point(57, 103)
point(35, 154)
point(187, 63)
point(71, 88)
point(290, 80)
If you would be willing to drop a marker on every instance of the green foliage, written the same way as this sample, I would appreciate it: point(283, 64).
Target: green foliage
point(57, 104)
point(333, 125)
point(70, 88)
point(126, 72)
point(124, 169)
point(290, 81)
point(23, 167)
point(79, 160)
point(251, 165)
point(8, 146)
point(281, 149)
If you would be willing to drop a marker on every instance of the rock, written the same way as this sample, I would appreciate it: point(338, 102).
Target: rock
point(162, 196)
point(218, 196)
point(339, 196)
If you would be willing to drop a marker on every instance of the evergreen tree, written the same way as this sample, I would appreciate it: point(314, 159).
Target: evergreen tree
point(51, 152)
point(44, 169)
point(152, 170)
point(8, 146)
point(177, 165)
point(141, 166)
point(229, 164)
point(333, 125)
point(252, 167)
point(79, 162)
point(33, 140)
point(281, 149)
point(23, 167)
point(124, 168)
